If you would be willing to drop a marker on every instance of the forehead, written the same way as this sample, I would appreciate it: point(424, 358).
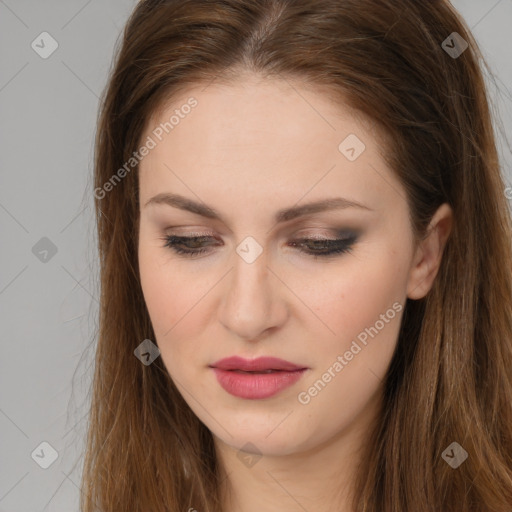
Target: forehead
point(255, 112)
point(275, 136)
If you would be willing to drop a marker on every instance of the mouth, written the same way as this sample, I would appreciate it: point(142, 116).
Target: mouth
point(256, 379)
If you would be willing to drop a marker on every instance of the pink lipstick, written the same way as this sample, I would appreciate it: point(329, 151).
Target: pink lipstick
point(256, 378)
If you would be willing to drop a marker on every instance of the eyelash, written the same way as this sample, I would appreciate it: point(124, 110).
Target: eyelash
point(338, 245)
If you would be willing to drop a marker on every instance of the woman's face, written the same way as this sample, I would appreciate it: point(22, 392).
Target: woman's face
point(250, 157)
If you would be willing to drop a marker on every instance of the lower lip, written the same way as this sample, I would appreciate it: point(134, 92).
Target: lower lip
point(255, 386)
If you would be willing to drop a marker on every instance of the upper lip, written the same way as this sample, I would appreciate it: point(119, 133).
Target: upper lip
point(255, 365)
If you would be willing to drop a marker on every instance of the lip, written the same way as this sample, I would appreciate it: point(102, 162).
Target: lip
point(255, 365)
point(256, 386)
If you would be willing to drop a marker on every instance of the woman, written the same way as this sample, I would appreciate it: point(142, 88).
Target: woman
point(306, 272)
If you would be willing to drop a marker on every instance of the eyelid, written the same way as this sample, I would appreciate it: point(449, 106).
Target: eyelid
point(326, 233)
point(329, 233)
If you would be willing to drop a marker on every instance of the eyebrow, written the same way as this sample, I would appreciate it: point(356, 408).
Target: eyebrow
point(283, 215)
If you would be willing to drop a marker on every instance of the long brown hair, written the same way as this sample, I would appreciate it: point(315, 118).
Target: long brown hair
point(450, 379)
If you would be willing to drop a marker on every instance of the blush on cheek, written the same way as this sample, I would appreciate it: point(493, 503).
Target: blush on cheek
point(159, 296)
point(172, 305)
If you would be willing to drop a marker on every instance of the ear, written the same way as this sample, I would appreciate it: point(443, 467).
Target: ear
point(429, 252)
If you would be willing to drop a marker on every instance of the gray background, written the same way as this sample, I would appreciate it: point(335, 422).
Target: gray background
point(48, 308)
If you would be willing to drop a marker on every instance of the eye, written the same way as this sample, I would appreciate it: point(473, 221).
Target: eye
point(323, 247)
point(176, 244)
point(315, 247)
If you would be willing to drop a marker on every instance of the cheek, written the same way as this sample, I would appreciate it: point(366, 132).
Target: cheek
point(351, 297)
point(177, 303)
point(363, 306)
point(167, 293)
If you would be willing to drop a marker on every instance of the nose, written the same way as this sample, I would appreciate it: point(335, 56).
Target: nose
point(253, 299)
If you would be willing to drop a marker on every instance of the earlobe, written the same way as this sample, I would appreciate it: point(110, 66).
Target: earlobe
point(429, 253)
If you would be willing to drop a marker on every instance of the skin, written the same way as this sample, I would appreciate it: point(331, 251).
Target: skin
point(248, 150)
